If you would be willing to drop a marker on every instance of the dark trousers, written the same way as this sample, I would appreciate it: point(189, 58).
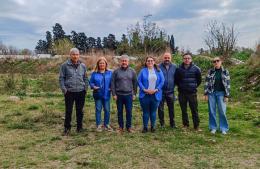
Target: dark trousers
point(127, 101)
point(79, 99)
point(193, 103)
point(169, 98)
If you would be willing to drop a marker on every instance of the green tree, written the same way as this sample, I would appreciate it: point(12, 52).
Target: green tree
point(99, 43)
point(83, 42)
point(62, 46)
point(75, 39)
point(147, 39)
point(123, 46)
point(41, 47)
point(91, 42)
point(172, 44)
point(105, 42)
point(111, 42)
point(58, 32)
point(49, 42)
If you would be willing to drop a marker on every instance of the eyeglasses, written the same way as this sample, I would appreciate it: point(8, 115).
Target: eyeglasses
point(186, 58)
point(149, 61)
point(215, 61)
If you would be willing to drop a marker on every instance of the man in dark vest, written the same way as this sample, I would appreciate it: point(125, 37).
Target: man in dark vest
point(168, 69)
point(188, 78)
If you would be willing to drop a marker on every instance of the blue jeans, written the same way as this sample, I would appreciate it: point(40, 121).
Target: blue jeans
point(99, 104)
point(216, 100)
point(149, 106)
point(126, 100)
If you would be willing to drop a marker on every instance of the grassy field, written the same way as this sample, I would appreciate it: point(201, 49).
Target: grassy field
point(30, 137)
point(31, 129)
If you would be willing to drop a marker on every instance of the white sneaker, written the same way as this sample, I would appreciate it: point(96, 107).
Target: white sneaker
point(213, 131)
point(99, 128)
point(224, 132)
point(109, 128)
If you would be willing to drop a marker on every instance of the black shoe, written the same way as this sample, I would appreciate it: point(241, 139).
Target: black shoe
point(173, 127)
point(152, 129)
point(66, 132)
point(79, 130)
point(162, 126)
point(145, 130)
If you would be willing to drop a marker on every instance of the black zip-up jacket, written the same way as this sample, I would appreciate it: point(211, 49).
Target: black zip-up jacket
point(188, 79)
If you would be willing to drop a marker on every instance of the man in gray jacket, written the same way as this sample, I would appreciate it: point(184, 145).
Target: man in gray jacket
point(124, 88)
point(73, 83)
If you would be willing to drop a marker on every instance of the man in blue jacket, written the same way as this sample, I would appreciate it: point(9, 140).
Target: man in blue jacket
point(168, 69)
point(188, 78)
point(73, 83)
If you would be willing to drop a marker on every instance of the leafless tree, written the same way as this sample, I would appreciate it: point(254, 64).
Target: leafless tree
point(3, 49)
point(220, 38)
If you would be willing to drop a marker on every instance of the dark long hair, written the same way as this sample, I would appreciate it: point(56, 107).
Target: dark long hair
point(155, 65)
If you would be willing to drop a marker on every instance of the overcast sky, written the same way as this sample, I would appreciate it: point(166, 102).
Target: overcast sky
point(24, 22)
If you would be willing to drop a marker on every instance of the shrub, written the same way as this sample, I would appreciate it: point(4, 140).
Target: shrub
point(9, 83)
point(33, 107)
point(243, 55)
point(49, 83)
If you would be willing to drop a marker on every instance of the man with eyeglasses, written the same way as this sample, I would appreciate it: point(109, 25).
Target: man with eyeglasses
point(217, 91)
point(188, 78)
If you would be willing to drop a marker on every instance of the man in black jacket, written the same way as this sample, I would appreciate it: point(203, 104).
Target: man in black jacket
point(188, 78)
point(168, 69)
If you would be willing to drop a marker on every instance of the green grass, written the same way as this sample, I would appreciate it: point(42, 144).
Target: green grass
point(32, 139)
point(31, 128)
point(243, 55)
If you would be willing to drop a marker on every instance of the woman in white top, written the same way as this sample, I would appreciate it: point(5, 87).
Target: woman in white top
point(150, 81)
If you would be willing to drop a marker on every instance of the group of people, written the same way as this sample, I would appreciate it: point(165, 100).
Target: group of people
point(156, 86)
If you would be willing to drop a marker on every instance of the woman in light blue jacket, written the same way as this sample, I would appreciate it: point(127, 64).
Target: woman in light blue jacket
point(150, 81)
point(100, 82)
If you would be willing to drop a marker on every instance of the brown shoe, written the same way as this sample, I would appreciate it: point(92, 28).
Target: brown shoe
point(130, 130)
point(120, 130)
point(198, 129)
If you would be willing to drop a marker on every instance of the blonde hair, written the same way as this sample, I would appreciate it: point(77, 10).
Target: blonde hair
point(99, 60)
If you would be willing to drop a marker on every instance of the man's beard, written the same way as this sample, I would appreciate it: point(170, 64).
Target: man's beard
point(167, 62)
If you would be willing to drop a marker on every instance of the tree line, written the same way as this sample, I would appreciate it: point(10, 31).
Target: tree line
point(12, 50)
point(142, 38)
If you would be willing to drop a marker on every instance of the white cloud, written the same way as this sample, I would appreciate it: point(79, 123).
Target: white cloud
point(184, 19)
point(212, 13)
point(20, 2)
point(225, 3)
point(152, 4)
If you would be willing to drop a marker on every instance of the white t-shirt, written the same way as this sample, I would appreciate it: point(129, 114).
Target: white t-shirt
point(152, 79)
